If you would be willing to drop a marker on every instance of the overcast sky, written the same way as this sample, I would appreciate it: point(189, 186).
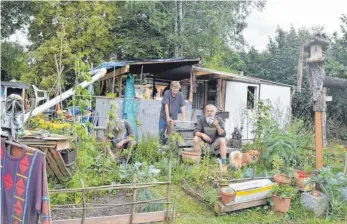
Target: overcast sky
point(300, 13)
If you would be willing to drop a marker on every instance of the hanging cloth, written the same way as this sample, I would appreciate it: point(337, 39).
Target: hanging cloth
point(24, 189)
point(130, 104)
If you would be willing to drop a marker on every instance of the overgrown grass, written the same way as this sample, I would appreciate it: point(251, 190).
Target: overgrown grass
point(191, 211)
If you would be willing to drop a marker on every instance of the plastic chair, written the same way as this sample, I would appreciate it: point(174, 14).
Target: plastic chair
point(40, 95)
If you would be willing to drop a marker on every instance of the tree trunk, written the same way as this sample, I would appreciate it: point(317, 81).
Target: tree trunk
point(335, 83)
point(176, 29)
point(301, 56)
point(180, 25)
point(324, 120)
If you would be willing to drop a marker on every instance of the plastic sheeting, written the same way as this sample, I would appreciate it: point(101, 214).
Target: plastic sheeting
point(130, 104)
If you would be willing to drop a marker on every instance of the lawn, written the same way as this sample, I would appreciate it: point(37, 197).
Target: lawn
point(191, 211)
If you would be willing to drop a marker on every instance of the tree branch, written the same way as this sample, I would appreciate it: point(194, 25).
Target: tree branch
point(335, 83)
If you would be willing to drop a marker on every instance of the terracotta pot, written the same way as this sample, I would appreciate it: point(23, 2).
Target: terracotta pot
point(282, 179)
point(191, 157)
point(227, 195)
point(280, 205)
point(301, 180)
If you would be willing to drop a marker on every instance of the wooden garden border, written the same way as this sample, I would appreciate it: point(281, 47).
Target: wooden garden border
point(134, 217)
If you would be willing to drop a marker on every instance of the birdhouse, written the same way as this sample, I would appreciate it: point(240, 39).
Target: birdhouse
point(316, 51)
point(316, 48)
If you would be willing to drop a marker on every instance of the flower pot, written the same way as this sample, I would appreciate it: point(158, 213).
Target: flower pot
point(191, 157)
point(280, 205)
point(68, 157)
point(301, 181)
point(228, 195)
point(282, 179)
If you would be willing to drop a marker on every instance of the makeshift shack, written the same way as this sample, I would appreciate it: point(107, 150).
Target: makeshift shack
point(235, 94)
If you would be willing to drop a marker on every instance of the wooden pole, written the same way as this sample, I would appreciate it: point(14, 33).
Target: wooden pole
point(84, 202)
point(168, 191)
point(319, 139)
point(345, 168)
point(133, 210)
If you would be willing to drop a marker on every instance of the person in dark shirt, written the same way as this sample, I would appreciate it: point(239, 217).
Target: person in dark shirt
point(172, 101)
point(210, 129)
point(123, 135)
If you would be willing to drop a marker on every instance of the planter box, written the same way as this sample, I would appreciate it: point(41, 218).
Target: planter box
point(68, 157)
point(251, 190)
point(319, 205)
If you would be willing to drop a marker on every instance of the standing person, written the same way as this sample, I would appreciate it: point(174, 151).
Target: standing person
point(210, 129)
point(172, 101)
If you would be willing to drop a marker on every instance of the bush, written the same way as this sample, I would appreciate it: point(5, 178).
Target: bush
point(148, 150)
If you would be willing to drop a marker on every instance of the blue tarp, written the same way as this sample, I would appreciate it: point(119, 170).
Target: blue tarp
point(130, 104)
point(112, 64)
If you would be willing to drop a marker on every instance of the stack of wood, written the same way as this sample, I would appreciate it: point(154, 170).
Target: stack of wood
point(55, 148)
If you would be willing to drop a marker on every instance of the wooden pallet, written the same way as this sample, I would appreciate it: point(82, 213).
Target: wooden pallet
point(51, 146)
point(221, 209)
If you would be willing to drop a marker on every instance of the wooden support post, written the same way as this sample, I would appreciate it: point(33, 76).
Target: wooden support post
point(345, 168)
point(319, 139)
point(120, 83)
point(168, 191)
point(84, 202)
point(133, 206)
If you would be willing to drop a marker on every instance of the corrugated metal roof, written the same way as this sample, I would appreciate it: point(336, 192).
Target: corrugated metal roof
point(118, 64)
point(17, 85)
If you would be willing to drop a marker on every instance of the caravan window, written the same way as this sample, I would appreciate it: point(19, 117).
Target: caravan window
point(251, 97)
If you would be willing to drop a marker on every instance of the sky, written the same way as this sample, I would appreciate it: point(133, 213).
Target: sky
point(299, 13)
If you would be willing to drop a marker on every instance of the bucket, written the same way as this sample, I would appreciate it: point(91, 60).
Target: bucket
point(191, 157)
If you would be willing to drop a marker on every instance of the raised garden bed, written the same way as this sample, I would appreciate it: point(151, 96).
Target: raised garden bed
point(106, 209)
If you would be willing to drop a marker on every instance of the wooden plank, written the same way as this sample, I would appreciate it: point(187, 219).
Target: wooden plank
point(39, 146)
point(64, 144)
point(54, 166)
point(221, 208)
point(48, 167)
point(118, 72)
point(60, 163)
point(31, 142)
point(118, 219)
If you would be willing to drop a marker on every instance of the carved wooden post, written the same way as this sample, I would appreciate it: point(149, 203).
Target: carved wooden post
point(315, 48)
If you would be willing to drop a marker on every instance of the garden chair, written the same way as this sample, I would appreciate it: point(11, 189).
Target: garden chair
point(40, 95)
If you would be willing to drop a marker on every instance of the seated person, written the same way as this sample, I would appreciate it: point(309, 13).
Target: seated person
point(210, 129)
point(123, 134)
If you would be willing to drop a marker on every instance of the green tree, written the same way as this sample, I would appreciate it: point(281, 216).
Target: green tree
point(14, 61)
point(198, 29)
point(336, 65)
point(15, 15)
point(278, 62)
point(77, 30)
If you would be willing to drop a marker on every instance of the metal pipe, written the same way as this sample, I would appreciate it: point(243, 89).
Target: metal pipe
point(51, 103)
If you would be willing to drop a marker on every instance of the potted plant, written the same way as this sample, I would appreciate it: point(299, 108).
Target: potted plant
point(332, 192)
point(280, 177)
point(303, 177)
point(281, 197)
